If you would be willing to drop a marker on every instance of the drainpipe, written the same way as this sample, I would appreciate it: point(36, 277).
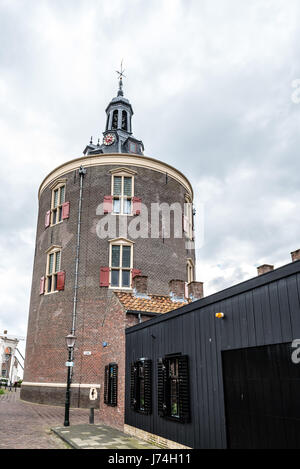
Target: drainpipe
point(82, 172)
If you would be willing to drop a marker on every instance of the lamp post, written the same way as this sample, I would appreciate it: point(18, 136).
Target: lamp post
point(70, 339)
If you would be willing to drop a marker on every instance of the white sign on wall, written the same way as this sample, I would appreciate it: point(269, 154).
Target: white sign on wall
point(93, 394)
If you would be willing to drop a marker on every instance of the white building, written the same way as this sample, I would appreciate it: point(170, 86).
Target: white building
point(10, 365)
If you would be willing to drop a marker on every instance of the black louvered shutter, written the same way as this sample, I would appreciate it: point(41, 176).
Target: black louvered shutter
point(133, 385)
point(161, 387)
point(106, 377)
point(148, 386)
point(184, 389)
point(114, 385)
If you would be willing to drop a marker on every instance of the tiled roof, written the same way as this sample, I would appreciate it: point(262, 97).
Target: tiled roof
point(150, 304)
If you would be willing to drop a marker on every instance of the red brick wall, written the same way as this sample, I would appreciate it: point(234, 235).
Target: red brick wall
point(99, 315)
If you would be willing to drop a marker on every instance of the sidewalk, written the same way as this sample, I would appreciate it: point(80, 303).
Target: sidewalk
point(98, 437)
point(24, 425)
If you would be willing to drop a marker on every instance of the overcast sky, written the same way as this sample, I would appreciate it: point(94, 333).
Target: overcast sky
point(210, 82)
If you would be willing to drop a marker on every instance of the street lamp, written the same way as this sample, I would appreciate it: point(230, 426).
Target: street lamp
point(70, 339)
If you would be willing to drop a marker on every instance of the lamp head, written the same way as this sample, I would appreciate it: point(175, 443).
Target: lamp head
point(70, 339)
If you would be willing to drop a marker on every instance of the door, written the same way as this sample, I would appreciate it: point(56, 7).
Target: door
point(262, 397)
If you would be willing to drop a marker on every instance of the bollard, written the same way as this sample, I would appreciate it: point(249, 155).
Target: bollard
point(91, 416)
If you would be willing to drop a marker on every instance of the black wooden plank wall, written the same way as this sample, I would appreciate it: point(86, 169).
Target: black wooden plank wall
point(259, 312)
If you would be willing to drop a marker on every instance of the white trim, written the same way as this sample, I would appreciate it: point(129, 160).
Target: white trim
point(121, 242)
point(122, 197)
point(119, 159)
point(62, 385)
point(122, 172)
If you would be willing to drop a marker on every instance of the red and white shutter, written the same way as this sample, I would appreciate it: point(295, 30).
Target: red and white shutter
point(137, 205)
point(104, 277)
point(61, 276)
point(65, 210)
point(108, 204)
point(47, 219)
point(42, 285)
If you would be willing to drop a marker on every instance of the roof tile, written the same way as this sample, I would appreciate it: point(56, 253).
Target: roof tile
point(151, 304)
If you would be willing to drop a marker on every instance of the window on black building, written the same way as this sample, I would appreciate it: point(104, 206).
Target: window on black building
point(173, 388)
point(110, 384)
point(140, 386)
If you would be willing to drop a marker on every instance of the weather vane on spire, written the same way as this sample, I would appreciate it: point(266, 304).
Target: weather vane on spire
point(121, 75)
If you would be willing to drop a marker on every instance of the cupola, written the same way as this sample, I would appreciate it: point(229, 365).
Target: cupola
point(118, 136)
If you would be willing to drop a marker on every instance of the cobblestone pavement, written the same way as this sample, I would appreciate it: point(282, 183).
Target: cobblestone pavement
point(27, 426)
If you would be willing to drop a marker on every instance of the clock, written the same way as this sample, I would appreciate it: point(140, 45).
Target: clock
point(109, 139)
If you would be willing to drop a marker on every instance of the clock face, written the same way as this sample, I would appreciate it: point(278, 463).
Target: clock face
point(109, 139)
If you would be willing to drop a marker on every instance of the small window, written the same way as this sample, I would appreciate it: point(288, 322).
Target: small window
point(122, 191)
point(58, 199)
point(141, 386)
point(53, 267)
point(120, 265)
point(110, 384)
point(173, 388)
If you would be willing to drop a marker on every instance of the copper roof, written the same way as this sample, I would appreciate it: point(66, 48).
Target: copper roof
point(150, 304)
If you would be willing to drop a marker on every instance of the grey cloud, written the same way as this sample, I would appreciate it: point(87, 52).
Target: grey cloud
point(210, 84)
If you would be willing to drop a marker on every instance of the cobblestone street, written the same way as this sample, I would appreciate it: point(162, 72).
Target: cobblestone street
point(27, 426)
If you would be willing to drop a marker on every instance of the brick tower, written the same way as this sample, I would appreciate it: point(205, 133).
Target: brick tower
point(114, 246)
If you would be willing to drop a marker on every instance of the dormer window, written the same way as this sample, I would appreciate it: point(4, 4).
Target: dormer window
point(132, 147)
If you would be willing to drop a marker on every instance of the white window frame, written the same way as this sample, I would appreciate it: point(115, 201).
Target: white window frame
point(188, 217)
point(122, 172)
point(58, 208)
point(120, 242)
point(190, 268)
point(53, 275)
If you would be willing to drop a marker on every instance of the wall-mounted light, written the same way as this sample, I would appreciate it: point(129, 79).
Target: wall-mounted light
point(220, 315)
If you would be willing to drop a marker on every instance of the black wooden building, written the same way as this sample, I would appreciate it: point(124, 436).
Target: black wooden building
point(211, 382)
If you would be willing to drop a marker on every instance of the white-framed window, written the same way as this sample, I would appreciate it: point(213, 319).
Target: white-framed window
point(52, 269)
point(190, 268)
point(122, 190)
point(188, 218)
point(57, 201)
point(120, 263)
